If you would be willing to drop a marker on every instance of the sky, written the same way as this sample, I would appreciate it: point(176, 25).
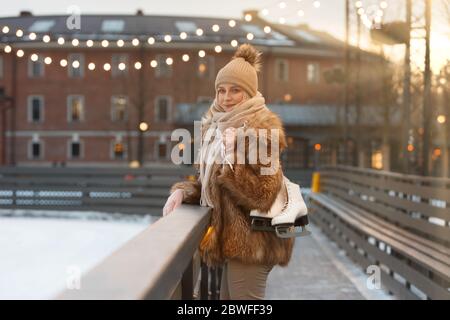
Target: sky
point(329, 16)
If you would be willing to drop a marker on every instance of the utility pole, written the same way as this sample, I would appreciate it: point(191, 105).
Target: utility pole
point(347, 79)
point(407, 90)
point(427, 94)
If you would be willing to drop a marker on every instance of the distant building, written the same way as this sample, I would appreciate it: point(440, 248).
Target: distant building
point(149, 69)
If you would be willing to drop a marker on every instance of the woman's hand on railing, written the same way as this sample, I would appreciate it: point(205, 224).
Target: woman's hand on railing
point(174, 201)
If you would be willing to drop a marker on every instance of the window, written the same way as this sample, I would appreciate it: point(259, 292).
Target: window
point(41, 26)
point(281, 70)
point(76, 65)
point(162, 109)
point(205, 68)
point(74, 149)
point(163, 69)
point(75, 108)
point(162, 150)
point(35, 109)
point(1, 67)
point(35, 151)
point(119, 106)
point(36, 68)
point(118, 150)
point(313, 72)
point(117, 59)
point(113, 25)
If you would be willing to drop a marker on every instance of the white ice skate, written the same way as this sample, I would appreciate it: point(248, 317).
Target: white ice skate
point(285, 214)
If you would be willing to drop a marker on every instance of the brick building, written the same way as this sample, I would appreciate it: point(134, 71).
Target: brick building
point(82, 96)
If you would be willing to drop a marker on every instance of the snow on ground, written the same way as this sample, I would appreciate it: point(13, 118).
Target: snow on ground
point(42, 250)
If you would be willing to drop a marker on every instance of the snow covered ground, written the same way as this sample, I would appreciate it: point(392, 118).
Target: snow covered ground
point(40, 251)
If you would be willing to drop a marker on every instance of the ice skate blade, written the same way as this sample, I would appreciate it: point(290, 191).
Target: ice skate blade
point(289, 232)
point(261, 224)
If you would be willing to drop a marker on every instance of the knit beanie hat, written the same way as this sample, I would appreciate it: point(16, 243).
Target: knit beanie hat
point(242, 70)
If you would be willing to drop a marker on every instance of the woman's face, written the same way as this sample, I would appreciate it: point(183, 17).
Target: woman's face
point(228, 95)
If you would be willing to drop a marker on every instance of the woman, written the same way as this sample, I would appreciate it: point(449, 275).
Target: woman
point(232, 190)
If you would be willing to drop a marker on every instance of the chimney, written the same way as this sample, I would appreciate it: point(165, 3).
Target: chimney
point(25, 13)
point(139, 12)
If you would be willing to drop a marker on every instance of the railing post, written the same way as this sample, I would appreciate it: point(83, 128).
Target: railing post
point(187, 283)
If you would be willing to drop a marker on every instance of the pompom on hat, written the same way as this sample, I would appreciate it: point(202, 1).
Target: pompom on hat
point(242, 69)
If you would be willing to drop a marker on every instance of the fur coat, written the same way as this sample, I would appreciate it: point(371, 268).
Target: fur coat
point(235, 193)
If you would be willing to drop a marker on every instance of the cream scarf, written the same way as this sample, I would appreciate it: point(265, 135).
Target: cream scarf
point(212, 149)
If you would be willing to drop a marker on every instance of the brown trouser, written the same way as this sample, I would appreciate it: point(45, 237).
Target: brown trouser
point(243, 281)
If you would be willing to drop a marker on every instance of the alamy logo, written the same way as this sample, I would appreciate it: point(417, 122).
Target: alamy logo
point(257, 152)
point(373, 282)
point(73, 280)
point(73, 21)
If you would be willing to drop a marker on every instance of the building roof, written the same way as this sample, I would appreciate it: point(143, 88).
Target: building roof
point(113, 27)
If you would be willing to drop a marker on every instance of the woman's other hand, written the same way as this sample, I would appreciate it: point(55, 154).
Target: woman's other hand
point(173, 201)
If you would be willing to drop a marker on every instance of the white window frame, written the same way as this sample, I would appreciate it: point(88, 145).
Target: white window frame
point(277, 69)
point(210, 65)
point(316, 76)
point(157, 143)
point(30, 68)
point(113, 111)
point(115, 72)
point(69, 149)
point(125, 151)
point(169, 108)
point(69, 108)
point(30, 108)
point(70, 59)
point(160, 59)
point(30, 149)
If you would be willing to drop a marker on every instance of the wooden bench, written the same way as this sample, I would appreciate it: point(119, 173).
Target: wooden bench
point(397, 222)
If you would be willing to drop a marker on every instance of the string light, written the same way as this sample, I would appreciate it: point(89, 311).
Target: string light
point(265, 12)
point(138, 65)
point(282, 5)
point(20, 53)
point(167, 38)
point(135, 42)
point(300, 13)
point(151, 40)
point(153, 63)
point(34, 57)
point(201, 53)
point(32, 36)
point(267, 29)
point(169, 61)
point(282, 20)
point(383, 5)
point(120, 43)
point(48, 60)
point(316, 4)
point(75, 42)
point(199, 32)
point(46, 38)
point(89, 43)
point(122, 66)
point(5, 29)
point(91, 66)
point(19, 33)
point(248, 17)
point(185, 57)
point(232, 23)
point(250, 36)
point(105, 43)
point(61, 40)
point(8, 49)
point(106, 67)
point(358, 4)
point(76, 64)
point(218, 49)
point(63, 63)
point(234, 43)
point(183, 35)
point(215, 28)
